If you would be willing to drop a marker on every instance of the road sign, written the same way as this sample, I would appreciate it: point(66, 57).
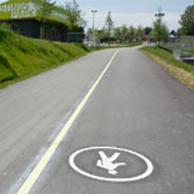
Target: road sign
point(111, 164)
point(107, 162)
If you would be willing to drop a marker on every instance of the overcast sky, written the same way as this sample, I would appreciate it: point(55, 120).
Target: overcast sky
point(132, 12)
point(135, 12)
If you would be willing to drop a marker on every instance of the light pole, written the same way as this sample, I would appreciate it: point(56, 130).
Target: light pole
point(159, 15)
point(93, 20)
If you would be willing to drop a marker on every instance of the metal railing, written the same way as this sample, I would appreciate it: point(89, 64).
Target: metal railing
point(182, 47)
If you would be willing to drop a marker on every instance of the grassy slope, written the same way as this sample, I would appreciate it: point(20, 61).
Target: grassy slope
point(22, 57)
point(180, 70)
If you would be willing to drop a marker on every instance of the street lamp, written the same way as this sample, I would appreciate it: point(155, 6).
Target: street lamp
point(93, 12)
point(159, 15)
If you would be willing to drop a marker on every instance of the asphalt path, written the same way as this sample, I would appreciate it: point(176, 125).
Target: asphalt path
point(135, 105)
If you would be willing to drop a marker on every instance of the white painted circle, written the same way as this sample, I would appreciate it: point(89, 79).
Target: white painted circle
point(147, 173)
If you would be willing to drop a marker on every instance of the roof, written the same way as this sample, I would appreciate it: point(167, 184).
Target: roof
point(28, 9)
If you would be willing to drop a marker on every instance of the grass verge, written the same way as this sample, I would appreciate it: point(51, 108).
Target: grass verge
point(179, 69)
point(22, 57)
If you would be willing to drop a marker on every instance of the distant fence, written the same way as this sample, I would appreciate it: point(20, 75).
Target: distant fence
point(182, 47)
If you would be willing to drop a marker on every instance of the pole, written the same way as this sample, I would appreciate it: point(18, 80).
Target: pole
point(93, 27)
point(159, 15)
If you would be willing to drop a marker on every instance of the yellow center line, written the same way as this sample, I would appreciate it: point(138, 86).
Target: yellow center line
point(30, 181)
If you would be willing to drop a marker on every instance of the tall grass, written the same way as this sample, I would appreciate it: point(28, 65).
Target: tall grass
point(6, 33)
point(6, 70)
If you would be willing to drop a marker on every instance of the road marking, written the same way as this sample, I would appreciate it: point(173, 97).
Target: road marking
point(107, 162)
point(148, 171)
point(30, 181)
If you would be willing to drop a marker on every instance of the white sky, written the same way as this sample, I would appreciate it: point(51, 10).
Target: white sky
point(132, 12)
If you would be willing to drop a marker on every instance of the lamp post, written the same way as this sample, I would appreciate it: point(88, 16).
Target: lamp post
point(159, 15)
point(93, 20)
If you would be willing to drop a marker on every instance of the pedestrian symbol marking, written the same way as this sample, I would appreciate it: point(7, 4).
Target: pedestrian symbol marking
point(111, 164)
point(107, 162)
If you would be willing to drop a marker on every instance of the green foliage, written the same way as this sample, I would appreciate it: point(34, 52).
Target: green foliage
point(44, 13)
point(89, 33)
point(140, 34)
point(46, 9)
point(187, 21)
point(130, 34)
point(159, 31)
point(104, 35)
point(109, 22)
point(6, 71)
point(147, 30)
point(109, 25)
point(74, 14)
point(124, 33)
point(6, 32)
point(117, 34)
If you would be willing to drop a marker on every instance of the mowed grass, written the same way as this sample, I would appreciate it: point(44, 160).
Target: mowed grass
point(184, 72)
point(22, 57)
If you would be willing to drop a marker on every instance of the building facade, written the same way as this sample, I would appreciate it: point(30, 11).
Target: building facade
point(24, 18)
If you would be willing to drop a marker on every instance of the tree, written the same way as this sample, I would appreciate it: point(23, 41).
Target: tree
point(124, 32)
point(74, 14)
point(89, 33)
point(147, 30)
point(131, 33)
point(44, 12)
point(140, 34)
point(117, 34)
point(178, 32)
point(159, 31)
point(173, 33)
point(187, 21)
point(75, 23)
point(109, 25)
